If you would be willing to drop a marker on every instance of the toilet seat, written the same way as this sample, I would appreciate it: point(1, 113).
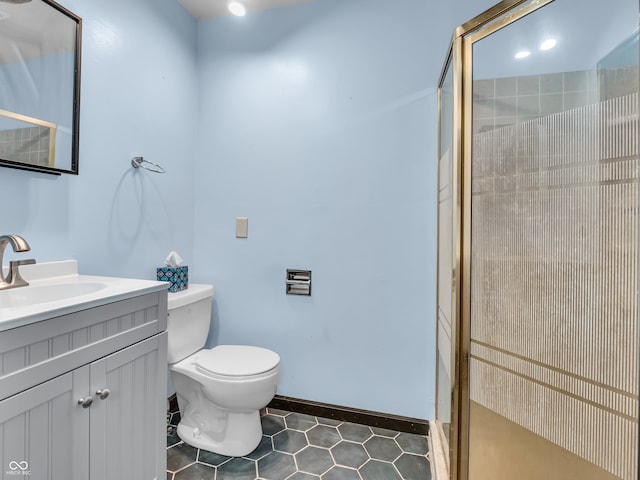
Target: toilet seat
point(236, 361)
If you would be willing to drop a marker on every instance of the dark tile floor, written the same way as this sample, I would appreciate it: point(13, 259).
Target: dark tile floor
point(301, 447)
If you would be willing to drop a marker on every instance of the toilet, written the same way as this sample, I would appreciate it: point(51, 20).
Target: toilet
point(220, 390)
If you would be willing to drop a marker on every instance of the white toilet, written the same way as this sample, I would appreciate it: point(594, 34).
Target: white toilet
point(220, 390)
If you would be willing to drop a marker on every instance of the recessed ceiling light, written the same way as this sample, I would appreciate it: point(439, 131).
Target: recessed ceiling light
point(522, 54)
point(548, 44)
point(237, 9)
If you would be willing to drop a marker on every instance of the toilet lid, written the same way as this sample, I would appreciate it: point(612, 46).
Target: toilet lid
point(237, 360)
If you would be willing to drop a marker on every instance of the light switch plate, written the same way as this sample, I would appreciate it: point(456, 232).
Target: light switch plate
point(242, 227)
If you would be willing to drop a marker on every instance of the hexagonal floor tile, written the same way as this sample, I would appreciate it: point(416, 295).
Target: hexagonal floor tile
point(180, 455)
point(272, 424)
point(355, 432)
point(276, 466)
point(314, 460)
point(264, 447)
point(300, 421)
point(332, 422)
point(195, 472)
point(174, 419)
point(382, 448)
point(289, 441)
point(376, 470)
point(237, 469)
point(341, 473)
point(172, 437)
point(277, 411)
point(323, 436)
point(211, 458)
point(413, 467)
point(302, 447)
point(411, 443)
point(384, 432)
point(349, 454)
point(303, 476)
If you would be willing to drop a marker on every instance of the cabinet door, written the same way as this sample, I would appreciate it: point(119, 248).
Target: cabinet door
point(44, 430)
point(128, 427)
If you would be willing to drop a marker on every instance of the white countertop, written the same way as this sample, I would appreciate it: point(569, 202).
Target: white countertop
point(49, 278)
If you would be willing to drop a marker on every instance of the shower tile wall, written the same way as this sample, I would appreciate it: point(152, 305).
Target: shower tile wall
point(616, 82)
point(27, 145)
point(500, 102)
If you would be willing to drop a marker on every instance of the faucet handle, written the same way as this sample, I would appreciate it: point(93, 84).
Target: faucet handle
point(14, 278)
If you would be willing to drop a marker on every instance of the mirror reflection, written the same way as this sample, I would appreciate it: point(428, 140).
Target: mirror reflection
point(39, 86)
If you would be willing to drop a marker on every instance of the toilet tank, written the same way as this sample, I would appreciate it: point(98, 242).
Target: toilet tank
point(189, 320)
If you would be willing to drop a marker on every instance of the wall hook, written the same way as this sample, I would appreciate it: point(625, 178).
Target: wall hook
point(137, 162)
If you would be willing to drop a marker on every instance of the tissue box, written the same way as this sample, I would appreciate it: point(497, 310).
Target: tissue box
point(177, 276)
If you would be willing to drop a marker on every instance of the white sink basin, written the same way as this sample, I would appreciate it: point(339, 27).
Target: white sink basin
point(56, 289)
point(33, 295)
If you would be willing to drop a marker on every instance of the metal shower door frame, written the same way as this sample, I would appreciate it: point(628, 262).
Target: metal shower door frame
point(460, 59)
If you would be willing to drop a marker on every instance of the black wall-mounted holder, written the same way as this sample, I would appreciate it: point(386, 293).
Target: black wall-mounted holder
point(298, 282)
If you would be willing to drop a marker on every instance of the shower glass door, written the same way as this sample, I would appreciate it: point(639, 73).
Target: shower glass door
point(551, 195)
point(446, 260)
point(448, 193)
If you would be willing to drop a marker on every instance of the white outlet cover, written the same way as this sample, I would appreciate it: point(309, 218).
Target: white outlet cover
point(242, 227)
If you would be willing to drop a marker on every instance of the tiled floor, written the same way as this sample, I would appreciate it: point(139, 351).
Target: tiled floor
point(301, 447)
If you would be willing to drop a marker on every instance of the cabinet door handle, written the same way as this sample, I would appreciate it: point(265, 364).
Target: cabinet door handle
point(103, 393)
point(85, 402)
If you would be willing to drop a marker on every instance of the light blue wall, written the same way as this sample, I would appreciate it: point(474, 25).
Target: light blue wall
point(138, 98)
point(318, 122)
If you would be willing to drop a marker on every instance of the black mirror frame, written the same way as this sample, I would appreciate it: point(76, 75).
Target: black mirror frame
point(75, 134)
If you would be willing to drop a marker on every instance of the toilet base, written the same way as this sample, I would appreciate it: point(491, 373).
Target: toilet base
point(221, 414)
point(236, 435)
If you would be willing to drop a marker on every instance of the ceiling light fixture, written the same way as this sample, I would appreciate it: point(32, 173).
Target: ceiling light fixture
point(548, 44)
point(522, 54)
point(237, 9)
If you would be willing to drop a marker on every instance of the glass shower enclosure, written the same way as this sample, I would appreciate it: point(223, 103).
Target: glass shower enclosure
point(538, 339)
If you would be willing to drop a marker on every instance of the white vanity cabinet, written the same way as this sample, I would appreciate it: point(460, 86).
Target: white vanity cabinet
point(83, 395)
point(42, 433)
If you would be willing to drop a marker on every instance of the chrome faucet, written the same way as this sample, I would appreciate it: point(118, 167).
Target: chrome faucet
point(13, 278)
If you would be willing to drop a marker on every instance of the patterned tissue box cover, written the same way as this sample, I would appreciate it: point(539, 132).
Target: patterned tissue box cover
point(177, 276)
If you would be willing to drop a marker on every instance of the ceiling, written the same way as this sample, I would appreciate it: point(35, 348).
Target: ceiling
point(203, 9)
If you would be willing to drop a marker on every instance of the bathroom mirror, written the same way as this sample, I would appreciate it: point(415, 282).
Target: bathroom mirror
point(39, 86)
